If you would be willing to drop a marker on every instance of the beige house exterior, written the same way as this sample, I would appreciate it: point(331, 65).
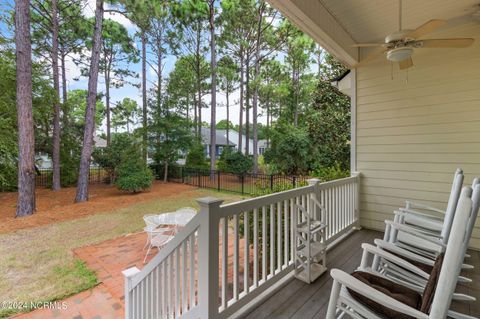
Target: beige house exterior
point(411, 129)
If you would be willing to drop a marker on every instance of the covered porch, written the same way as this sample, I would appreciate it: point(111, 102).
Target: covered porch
point(410, 130)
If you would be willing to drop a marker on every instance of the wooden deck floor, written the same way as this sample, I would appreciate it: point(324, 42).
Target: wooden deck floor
point(299, 300)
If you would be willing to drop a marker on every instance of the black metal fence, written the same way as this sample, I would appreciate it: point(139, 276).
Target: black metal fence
point(96, 175)
point(251, 184)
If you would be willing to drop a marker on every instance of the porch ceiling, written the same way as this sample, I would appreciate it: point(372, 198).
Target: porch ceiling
point(336, 24)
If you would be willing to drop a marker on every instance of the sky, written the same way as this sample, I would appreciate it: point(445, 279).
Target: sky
point(76, 81)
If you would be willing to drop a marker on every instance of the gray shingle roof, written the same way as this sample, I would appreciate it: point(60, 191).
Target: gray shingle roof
point(221, 138)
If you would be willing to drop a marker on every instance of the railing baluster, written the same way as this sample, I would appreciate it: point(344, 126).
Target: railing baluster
point(184, 277)
point(272, 239)
point(224, 261)
point(286, 233)
point(191, 299)
point(235, 257)
point(264, 243)
point(279, 236)
point(177, 283)
point(255, 248)
point(246, 258)
point(292, 229)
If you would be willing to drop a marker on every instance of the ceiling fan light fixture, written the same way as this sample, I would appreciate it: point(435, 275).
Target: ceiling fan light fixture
point(399, 54)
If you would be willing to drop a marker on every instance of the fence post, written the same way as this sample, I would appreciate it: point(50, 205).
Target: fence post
point(208, 256)
point(294, 181)
point(198, 176)
point(218, 177)
point(129, 274)
point(271, 182)
point(181, 175)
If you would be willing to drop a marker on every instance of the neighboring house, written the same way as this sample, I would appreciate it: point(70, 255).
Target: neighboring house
point(233, 136)
point(43, 160)
point(221, 141)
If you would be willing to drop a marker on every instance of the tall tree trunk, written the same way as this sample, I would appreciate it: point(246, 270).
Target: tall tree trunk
point(228, 116)
point(247, 106)
point(240, 112)
point(165, 172)
point(56, 104)
point(64, 78)
point(268, 120)
point(255, 91)
point(295, 96)
point(199, 80)
point(213, 107)
point(195, 116)
point(26, 138)
point(107, 105)
point(187, 111)
point(144, 95)
point(82, 184)
point(159, 72)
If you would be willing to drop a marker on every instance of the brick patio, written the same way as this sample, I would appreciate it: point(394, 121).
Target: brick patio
point(108, 259)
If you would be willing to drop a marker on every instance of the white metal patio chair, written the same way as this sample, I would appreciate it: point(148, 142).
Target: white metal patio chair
point(434, 303)
point(152, 227)
point(158, 240)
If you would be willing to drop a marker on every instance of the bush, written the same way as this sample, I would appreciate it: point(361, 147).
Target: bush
point(291, 151)
point(196, 157)
point(111, 156)
point(132, 173)
point(234, 162)
point(326, 174)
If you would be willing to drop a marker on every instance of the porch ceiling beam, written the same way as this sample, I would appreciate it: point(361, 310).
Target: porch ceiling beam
point(315, 20)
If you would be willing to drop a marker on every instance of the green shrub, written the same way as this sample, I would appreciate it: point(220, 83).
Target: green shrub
point(234, 162)
point(196, 157)
point(111, 156)
point(326, 174)
point(132, 173)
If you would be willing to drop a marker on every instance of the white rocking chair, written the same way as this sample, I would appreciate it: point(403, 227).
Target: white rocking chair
point(436, 228)
point(342, 303)
point(422, 261)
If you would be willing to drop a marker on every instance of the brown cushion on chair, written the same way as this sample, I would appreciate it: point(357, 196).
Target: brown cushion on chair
point(431, 286)
point(403, 294)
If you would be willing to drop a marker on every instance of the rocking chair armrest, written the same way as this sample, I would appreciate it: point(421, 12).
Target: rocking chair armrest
point(394, 259)
point(423, 206)
point(371, 293)
point(390, 247)
point(416, 233)
point(408, 211)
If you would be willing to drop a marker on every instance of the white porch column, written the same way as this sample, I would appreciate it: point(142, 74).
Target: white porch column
point(208, 256)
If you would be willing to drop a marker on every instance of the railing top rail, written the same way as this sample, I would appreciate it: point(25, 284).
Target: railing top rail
point(173, 244)
point(337, 182)
point(252, 203)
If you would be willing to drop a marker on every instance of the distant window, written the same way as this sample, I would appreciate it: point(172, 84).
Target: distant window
point(261, 150)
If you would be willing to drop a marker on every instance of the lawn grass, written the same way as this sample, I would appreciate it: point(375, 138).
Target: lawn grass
point(38, 265)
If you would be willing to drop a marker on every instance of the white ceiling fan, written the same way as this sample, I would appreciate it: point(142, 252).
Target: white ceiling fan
point(399, 45)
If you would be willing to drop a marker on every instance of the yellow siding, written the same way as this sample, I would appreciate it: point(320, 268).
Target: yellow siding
point(414, 130)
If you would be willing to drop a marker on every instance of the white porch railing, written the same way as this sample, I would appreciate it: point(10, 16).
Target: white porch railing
point(228, 255)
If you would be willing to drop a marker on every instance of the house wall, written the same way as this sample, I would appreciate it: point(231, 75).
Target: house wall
point(412, 134)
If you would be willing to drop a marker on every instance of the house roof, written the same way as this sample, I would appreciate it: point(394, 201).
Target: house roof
point(221, 137)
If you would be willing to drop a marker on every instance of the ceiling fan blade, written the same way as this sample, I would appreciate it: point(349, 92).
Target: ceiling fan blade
point(447, 43)
point(374, 54)
point(367, 45)
point(426, 28)
point(405, 64)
